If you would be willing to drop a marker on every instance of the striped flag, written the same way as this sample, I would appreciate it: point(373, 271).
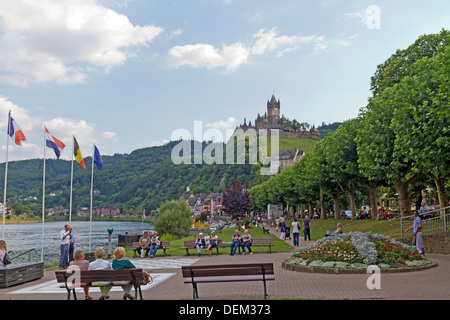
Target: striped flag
point(53, 143)
point(77, 153)
point(15, 131)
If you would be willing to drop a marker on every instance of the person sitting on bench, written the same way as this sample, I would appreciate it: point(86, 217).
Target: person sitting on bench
point(155, 243)
point(246, 242)
point(213, 239)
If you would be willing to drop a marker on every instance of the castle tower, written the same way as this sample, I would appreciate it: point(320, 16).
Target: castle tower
point(273, 111)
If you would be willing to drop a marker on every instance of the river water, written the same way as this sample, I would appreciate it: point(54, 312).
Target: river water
point(22, 237)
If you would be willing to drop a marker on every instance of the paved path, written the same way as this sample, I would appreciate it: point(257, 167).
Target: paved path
point(433, 283)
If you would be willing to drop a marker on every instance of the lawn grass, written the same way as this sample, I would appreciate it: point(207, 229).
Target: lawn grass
point(319, 227)
point(225, 235)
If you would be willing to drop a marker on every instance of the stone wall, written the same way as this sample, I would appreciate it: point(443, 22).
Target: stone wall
point(434, 243)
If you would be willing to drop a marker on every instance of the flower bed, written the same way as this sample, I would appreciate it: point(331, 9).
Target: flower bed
point(354, 252)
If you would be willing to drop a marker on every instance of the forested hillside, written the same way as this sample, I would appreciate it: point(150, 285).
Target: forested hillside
point(140, 180)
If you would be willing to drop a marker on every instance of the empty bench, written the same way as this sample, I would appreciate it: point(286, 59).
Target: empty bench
point(164, 246)
point(228, 273)
point(72, 279)
point(190, 245)
point(18, 273)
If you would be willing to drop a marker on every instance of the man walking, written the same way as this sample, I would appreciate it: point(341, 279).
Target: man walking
point(64, 236)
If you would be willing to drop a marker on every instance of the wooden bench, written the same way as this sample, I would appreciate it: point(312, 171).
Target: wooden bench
point(164, 246)
point(134, 276)
point(18, 273)
point(190, 245)
point(262, 242)
point(228, 273)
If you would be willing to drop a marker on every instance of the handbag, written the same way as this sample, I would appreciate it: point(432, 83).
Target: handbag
point(7, 258)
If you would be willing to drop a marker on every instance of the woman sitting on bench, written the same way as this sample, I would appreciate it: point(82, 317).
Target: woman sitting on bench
point(120, 263)
point(246, 242)
point(213, 239)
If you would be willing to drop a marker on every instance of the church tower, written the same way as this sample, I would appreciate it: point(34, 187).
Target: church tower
point(273, 111)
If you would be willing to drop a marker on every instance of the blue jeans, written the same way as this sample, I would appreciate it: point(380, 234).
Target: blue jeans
point(307, 233)
point(246, 245)
point(64, 257)
point(234, 246)
point(296, 238)
point(147, 249)
point(153, 249)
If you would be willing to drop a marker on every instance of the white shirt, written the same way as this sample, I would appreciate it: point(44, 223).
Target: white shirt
point(66, 240)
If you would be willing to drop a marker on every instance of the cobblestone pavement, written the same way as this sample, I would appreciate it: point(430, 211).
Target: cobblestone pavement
point(433, 283)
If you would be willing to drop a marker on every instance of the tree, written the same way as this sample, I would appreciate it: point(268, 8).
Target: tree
point(174, 218)
point(236, 200)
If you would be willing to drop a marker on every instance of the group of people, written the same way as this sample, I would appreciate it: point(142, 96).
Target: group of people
point(295, 229)
point(210, 243)
point(148, 245)
point(99, 263)
point(244, 241)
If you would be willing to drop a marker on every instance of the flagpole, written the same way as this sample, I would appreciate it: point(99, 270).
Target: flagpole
point(92, 184)
point(71, 182)
point(43, 199)
point(6, 175)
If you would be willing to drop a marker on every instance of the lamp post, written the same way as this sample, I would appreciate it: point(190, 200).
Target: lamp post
point(110, 231)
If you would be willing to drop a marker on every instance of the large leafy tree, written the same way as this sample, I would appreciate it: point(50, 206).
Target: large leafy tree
point(236, 200)
point(174, 218)
point(422, 120)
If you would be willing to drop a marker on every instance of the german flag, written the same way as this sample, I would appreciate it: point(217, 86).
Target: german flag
point(77, 153)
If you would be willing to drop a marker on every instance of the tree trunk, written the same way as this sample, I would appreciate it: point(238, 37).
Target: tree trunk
point(373, 201)
point(351, 195)
point(337, 206)
point(323, 214)
point(403, 197)
point(442, 193)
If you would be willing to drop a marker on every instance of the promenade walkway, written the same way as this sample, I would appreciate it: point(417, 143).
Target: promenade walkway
point(168, 283)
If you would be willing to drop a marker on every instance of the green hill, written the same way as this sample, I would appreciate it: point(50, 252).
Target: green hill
point(140, 180)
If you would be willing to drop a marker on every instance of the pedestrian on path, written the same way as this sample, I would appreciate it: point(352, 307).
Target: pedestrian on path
point(283, 229)
point(295, 230)
point(307, 228)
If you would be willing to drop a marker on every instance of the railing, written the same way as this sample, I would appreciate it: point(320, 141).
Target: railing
point(13, 256)
point(440, 220)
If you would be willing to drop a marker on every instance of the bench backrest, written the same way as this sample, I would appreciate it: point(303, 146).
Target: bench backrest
point(101, 275)
point(189, 243)
point(263, 240)
point(227, 270)
point(163, 244)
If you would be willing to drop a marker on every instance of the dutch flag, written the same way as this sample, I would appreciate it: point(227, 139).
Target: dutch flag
point(15, 132)
point(54, 143)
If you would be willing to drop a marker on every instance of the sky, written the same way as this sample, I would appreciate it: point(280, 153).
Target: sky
point(126, 74)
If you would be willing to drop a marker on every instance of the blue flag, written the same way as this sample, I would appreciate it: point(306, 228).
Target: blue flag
point(97, 158)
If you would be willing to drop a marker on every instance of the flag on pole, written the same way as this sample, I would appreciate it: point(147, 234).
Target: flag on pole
point(15, 131)
point(53, 143)
point(77, 153)
point(97, 158)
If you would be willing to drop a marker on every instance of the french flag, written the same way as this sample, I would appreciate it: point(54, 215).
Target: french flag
point(15, 131)
point(54, 143)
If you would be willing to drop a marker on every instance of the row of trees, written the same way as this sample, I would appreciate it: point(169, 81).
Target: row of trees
point(400, 138)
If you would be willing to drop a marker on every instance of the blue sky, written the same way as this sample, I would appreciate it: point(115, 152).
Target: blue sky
point(125, 74)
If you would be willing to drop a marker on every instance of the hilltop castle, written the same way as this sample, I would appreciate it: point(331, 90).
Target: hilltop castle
point(272, 120)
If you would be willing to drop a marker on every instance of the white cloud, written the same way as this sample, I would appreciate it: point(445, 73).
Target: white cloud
point(158, 143)
point(52, 40)
point(206, 55)
point(233, 56)
point(223, 124)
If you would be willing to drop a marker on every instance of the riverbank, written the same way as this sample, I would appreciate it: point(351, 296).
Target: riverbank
point(20, 220)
